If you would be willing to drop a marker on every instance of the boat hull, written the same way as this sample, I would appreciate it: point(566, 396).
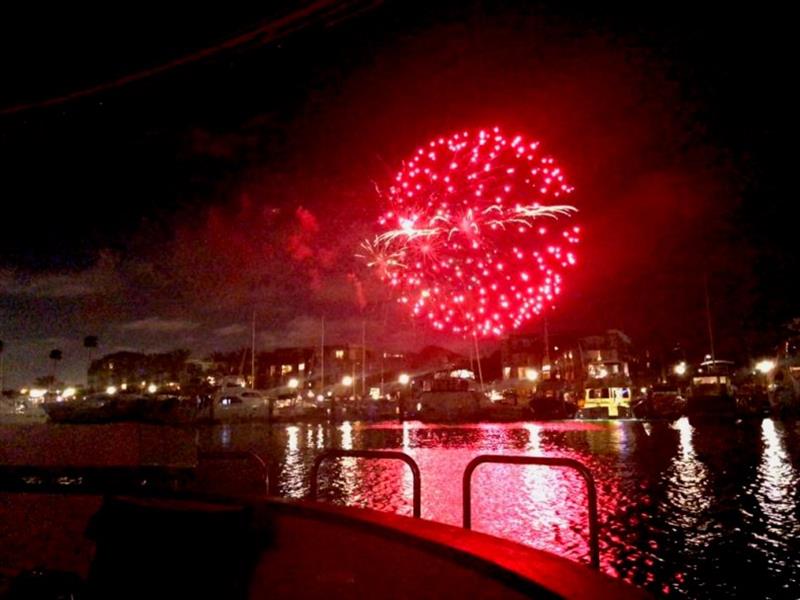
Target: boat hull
point(712, 407)
point(201, 548)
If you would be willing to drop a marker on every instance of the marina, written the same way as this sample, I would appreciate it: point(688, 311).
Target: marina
point(347, 299)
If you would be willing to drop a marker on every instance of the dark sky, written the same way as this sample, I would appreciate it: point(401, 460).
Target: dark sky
point(160, 212)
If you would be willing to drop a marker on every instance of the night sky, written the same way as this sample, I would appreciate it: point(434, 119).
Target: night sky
point(160, 212)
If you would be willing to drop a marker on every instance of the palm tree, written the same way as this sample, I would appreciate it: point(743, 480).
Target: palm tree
point(55, 355)
point(90, 343)
point(2, 369)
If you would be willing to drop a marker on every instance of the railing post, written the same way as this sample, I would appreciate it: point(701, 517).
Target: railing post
point(591, 489)
point(373, 454)
point(247, 455)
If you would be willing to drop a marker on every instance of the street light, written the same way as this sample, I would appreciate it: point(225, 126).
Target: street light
point(404, 379)
point(679, 369)
point(293, 383)
point(531, 374)
point(347, 380)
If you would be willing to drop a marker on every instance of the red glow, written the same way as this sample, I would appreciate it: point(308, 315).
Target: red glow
point(461, 240)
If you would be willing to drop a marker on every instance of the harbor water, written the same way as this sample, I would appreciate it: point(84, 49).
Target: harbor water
point(687, 511)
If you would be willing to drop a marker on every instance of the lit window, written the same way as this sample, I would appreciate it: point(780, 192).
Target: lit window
point(339, 354)
point(286, 369)
point(301, 367)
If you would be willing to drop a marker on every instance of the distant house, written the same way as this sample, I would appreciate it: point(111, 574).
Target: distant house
point(136, 370)
point(306, 367)
point(570, 357)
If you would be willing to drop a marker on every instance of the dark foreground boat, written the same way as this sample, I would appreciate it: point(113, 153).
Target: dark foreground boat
point(660, 402)
point(136, 532)
point(712, 395)
point(95, 408)
point(270, 548)
point(552, 400)
point(108, 408)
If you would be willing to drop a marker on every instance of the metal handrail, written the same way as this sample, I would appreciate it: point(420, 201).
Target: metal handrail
point(376, 454)
point(550, 461)
point(247, 455)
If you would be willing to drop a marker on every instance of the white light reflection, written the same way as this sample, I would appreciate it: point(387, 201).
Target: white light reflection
point(295, 473)
point(225, 436)
point(349, 466)
point(320, 437)
point(618, 433)
point(687, 487)
point(548, 507)
point(777, 482)
point(291, 443)
point(534, 438)
point(347, 435)
point(406, 436)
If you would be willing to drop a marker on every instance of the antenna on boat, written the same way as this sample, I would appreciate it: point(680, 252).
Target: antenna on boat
point(708, 319)
point(546, 349)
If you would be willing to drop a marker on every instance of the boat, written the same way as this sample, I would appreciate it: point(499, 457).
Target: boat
point(712, 394)
point(233, 401)
point(95, 408)
point(146, 531)
point(605, 402)
point(21, 410)
point(451, 399)
point(662, 401)
point(552, 400)
point(752, 400)
point(452, 405)
point(237, 404)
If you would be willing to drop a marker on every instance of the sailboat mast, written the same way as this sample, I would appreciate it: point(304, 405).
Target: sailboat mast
point(363, 358)
point(253, 353)
point(478, 357)
point(322, 359)
point(708, 319)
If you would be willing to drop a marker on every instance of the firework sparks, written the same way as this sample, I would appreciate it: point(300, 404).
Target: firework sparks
point(465, 241)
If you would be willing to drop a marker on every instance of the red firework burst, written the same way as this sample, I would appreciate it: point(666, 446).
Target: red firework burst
point(467, 240)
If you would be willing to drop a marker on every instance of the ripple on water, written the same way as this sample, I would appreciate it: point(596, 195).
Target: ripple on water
point(684, 511)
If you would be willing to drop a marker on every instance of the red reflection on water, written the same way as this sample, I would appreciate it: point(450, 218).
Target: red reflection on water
point(543, 507)
point(548, 426)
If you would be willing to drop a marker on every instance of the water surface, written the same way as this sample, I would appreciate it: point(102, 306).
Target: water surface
point(686, 511)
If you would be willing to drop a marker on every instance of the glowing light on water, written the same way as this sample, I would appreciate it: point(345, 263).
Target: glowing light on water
point(295, 484)
point(687, 480)
point(777, 484)
point(534, 438)
point(292, 435)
